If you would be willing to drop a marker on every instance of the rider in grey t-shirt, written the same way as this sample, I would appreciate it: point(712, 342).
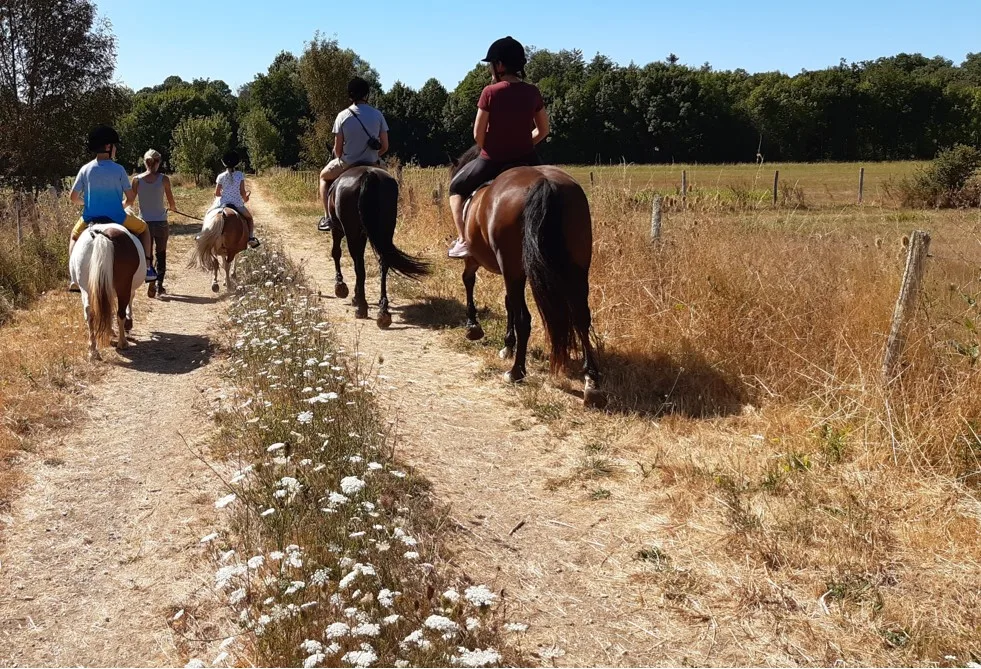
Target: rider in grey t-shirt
point(356, 149)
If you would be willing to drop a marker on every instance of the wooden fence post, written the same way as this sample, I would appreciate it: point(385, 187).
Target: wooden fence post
point(591, 182)
point(919, 246)
point(656, 219)
point(684, 185)
point(776, 183)
point(861, 183)
point(20, 226)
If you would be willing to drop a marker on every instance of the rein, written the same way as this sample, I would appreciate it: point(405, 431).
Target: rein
point(177, 211)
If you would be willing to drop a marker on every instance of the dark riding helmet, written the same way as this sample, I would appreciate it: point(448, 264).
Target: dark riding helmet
point(230, 159)
point(358, 89)
point(100, 136)
point(507, 50)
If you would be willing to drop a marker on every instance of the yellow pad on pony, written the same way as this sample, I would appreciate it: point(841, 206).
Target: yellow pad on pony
point(135, 225)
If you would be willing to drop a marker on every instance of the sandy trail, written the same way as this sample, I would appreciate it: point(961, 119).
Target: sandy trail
point(570, 569)
point(104, 544)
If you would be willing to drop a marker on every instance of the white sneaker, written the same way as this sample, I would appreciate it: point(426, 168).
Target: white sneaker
point(459, 250)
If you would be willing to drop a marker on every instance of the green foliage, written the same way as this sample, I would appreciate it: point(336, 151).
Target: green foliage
point(281, 92)
point(56, 66)
point(260, 138)
point(947, 181)
point(198, 144)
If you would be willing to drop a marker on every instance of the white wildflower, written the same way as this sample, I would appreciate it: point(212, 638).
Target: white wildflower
point(276, 447)
point(225, 501)
point(337, 630)
point(219, 658)
point(418, 639)
point(194, 663)
point(304, 417)
point(295, 587)
point(178, 615)
point(401, 663)
point(209, 538)
point(313, 660)
point(276, 555)
point(479, 595)
point(387, 597)
point(227, 643)
point(441, 624)
point(352, 485)
point(361, 658)
point(473, 623)
point(411, 555)
point(392, 619)
point(311, 646)
point(451, 595)
point(320, 577)
point(366, 629)
point(226, 556)
point(236, 596)
point(397, 474)
point(516, 627)
point(374, 465)
point(476, 657)
point(225, 574)
point(337, 499)
point(255, 562)
point(268, 512)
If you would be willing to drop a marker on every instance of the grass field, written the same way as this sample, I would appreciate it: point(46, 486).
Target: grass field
point(742, 358)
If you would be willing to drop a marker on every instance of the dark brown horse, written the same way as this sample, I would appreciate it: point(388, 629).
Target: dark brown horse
point(224, 234)
point(532, 224)
point(107, 260)
point(365, 201)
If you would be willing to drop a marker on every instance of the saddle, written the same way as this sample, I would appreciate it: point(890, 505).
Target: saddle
point(327, 221)
point(466, 203)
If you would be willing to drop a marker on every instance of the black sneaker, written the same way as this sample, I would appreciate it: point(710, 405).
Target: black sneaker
point(161, 290)
point(324, 224)
point(254, 243)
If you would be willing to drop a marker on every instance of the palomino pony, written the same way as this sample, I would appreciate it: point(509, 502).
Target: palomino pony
point(224, 233)
point(532, 224)
point(107, 259)
point(364, 200)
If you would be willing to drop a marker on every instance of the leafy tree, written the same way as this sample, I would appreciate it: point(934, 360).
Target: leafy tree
point(197, 146)
point(280, 91)
point(56, 66)
point(260, 138)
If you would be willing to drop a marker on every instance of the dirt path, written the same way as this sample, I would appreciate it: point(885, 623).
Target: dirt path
point(103, 546)
point(569, 570)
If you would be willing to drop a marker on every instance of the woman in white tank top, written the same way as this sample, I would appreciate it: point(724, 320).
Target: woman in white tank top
point(230, 191)
point(151, 189)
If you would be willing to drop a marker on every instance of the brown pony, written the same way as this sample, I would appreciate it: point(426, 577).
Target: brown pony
point(224, 233)
point(364, 200)
point(532, 224)
point(107, 260)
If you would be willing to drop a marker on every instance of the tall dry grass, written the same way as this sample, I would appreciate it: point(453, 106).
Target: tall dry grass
point(742, 356)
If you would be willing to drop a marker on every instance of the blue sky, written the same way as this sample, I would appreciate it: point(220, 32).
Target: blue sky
point(412, 41)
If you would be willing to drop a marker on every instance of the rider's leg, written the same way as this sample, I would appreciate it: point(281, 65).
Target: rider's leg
point(76, 233)
point(456, 208)
point(250, 222)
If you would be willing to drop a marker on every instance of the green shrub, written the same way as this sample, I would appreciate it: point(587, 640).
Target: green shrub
point(949, 181)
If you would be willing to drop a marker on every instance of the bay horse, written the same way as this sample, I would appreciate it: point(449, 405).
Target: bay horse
point(107, 260)
point(532, 224)
point(364, 205)
point(224, 234)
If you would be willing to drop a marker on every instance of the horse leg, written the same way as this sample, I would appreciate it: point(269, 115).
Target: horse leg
point(214, 278)
point(227, 264)
point(128, 323)
point(510, 339)
point(582, 321)
point(518, 310)
point(93, 347)
point(340, 288)
point(357, 254)
point(474, 331)
point(122, 298)
point(384, 317)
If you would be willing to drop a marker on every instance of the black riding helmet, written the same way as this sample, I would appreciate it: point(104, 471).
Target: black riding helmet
point(230, 159)
point(509, 51)
point(100, 136)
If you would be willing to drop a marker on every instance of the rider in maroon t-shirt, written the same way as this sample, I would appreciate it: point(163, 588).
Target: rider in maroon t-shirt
point(511, 120)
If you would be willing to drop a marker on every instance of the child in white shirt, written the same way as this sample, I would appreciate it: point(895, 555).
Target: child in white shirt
point(230, 192)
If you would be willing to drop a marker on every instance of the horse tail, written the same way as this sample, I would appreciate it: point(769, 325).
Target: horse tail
point(211, 232)
point(100, 286)
point(378, 205)
point(555, 280)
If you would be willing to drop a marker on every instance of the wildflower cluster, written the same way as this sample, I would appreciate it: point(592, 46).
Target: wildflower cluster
point(327, 557)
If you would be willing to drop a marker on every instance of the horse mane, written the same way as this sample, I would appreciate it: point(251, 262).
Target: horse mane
point(468, 156)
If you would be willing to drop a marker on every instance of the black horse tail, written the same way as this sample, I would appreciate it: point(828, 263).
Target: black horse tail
point(556, 282)
point(378, 206)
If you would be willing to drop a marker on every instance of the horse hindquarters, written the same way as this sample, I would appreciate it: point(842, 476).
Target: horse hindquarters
point(560, 284)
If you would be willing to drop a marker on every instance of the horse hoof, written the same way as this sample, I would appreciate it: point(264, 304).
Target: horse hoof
point(361, 312)
point(214, 287)
point(151, 290)
point(340, 290)
point(475, 332)
point(384, 320)
point(506, 353)
point(514, 377)
point(94, 356)
point(594, 398)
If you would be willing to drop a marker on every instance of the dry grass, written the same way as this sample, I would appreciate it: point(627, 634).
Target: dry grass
point(742, 358)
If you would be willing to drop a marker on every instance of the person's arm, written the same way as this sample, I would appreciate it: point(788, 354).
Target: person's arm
point(218, 189)
point(383, 138)
point(130, 195)
point(129, 192)
point(169, 193)
point(541, 126)
point(77, 188)
point(242, 192)
point(338, 145)
point(480, 125)
point(135, 184)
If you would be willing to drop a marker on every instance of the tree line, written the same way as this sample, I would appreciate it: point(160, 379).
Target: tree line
point(57, 60)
